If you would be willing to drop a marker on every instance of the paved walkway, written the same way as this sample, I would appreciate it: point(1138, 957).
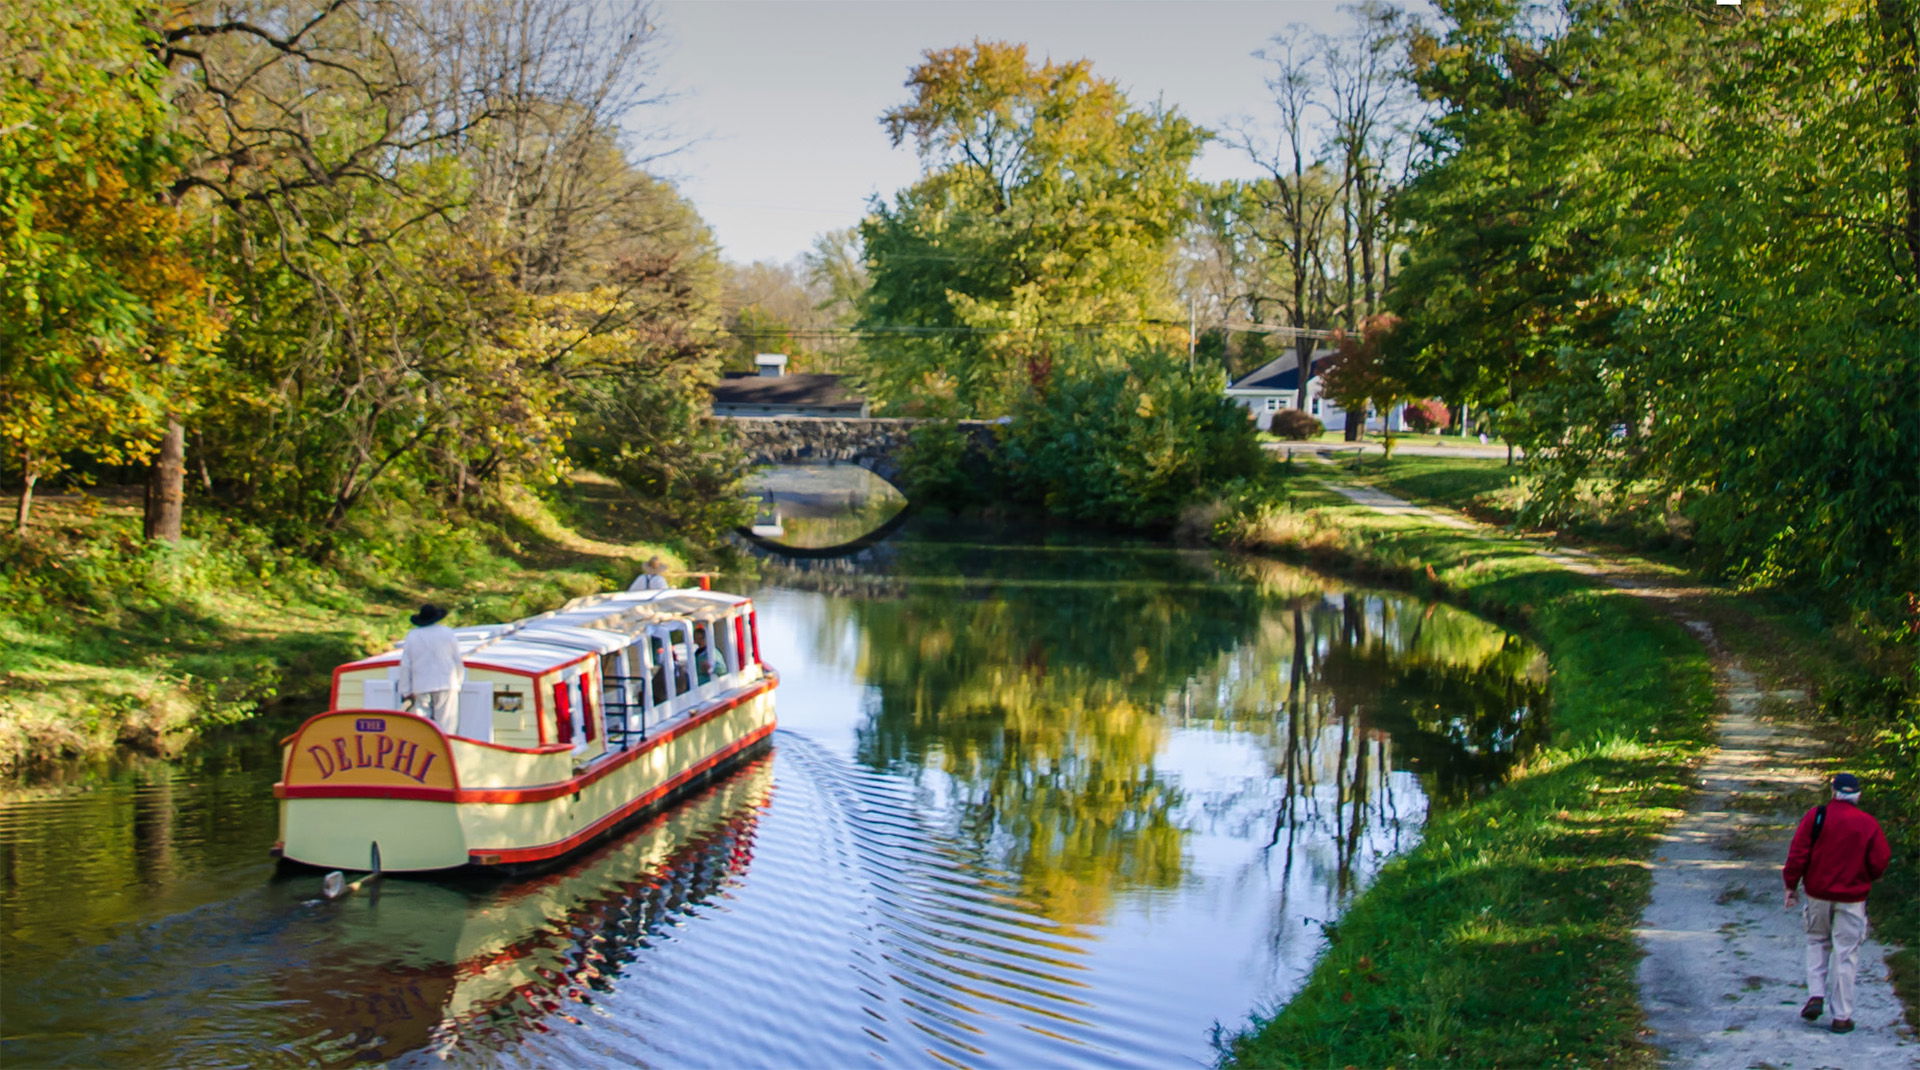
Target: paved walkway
point(1724, 976)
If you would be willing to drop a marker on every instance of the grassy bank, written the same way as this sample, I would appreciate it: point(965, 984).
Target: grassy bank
point(1626, 681)
point(1506, 937)
point(108, 643)
point(1862, 690)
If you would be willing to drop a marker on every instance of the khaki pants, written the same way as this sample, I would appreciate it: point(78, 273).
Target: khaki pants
point(1834, 933)
point(436, 706)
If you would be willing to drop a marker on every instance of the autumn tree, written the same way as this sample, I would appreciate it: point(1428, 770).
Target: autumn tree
point(1360, 378)
point(1038, 238)
point(105, 318)
point(440, 239)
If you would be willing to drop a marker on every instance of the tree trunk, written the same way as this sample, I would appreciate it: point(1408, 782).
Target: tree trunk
point(1303, 351)
point(167, 486)
point(1369, 285)
point(28, 477)
point(1901, 22)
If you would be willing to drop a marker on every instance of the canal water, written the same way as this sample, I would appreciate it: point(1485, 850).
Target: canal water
point(1031, 803)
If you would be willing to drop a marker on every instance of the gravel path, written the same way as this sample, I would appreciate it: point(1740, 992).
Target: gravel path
point(1724, 975)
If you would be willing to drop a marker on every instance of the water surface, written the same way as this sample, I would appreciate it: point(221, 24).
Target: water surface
point(1031, 803)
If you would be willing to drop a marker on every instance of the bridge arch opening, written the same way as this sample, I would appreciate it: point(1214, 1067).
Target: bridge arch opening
point(822, 509)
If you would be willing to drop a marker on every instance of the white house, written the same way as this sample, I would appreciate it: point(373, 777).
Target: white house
point(1274, 386)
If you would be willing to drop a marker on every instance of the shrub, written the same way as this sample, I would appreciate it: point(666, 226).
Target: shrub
point(1131, 446)
point(939, 466)
point(1428, 415)
point(1296, 425)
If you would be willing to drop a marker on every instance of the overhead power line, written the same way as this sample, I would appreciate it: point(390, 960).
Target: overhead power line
point(1055, 328)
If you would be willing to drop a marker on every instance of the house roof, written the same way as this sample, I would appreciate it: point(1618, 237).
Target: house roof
point(1282, 372)
point(811, 388)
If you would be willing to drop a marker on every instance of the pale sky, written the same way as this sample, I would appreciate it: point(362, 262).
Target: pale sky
point(784, 97)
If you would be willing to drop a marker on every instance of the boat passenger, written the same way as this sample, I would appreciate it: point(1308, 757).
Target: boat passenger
point(703, 656)
point(430, 672)
point(653, 579)
point(663, 657)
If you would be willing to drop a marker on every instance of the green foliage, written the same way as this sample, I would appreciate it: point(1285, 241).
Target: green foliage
point(941, 465)
point(1038, 242)
point(1701, 231)
point(1128, 447)
point(1295, 425)
point(656, 439)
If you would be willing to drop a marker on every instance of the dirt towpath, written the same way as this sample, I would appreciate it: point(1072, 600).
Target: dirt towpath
point(1724, 973)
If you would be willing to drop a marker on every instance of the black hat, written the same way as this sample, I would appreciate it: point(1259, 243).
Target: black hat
point(428, 614)
point(1846, 783)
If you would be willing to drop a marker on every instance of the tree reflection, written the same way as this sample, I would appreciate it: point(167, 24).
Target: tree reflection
point(1037, 689)
point(1042, 685)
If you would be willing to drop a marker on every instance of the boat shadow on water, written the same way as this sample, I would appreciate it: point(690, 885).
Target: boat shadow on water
point(410, 969)
point(475, 962)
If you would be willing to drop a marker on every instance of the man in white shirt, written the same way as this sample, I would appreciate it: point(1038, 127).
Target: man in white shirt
point(430, 668)
point(653, 579)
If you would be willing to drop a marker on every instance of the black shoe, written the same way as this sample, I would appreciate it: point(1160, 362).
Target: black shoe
point(1842, 1025)
point(1814, 1008)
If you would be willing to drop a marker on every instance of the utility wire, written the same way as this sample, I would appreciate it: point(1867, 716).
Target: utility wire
point(1060, 328)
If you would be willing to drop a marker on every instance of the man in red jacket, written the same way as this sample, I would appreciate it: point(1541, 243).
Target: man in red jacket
point(1840, 851)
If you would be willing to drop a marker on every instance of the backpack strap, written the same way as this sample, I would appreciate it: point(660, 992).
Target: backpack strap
point(1819, 820)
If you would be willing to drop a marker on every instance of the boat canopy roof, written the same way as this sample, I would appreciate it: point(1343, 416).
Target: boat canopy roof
point(573, 637)
point(589, 625)
point(648, 606)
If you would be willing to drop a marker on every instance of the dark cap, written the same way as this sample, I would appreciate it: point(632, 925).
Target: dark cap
point(1846, 783)
point(428, 614)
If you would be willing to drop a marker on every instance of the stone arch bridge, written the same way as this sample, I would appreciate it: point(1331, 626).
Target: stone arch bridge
point(874, 443)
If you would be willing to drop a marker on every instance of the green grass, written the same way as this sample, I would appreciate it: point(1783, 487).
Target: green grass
point(109, 644)
point(1506, 937)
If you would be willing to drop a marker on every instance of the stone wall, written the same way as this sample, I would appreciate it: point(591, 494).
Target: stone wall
point(873, 443)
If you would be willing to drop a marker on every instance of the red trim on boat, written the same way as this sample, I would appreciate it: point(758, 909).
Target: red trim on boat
point(545, 748)
point(499, 855)
point(543, 792)
point(539, 793)
point(377, 661)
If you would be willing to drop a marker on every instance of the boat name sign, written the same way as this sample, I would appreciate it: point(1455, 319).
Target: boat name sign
point(362, 747)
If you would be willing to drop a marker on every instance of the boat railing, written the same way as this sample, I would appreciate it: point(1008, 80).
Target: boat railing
point(626, 718)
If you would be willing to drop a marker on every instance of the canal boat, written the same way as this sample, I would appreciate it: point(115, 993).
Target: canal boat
point(569, 724)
